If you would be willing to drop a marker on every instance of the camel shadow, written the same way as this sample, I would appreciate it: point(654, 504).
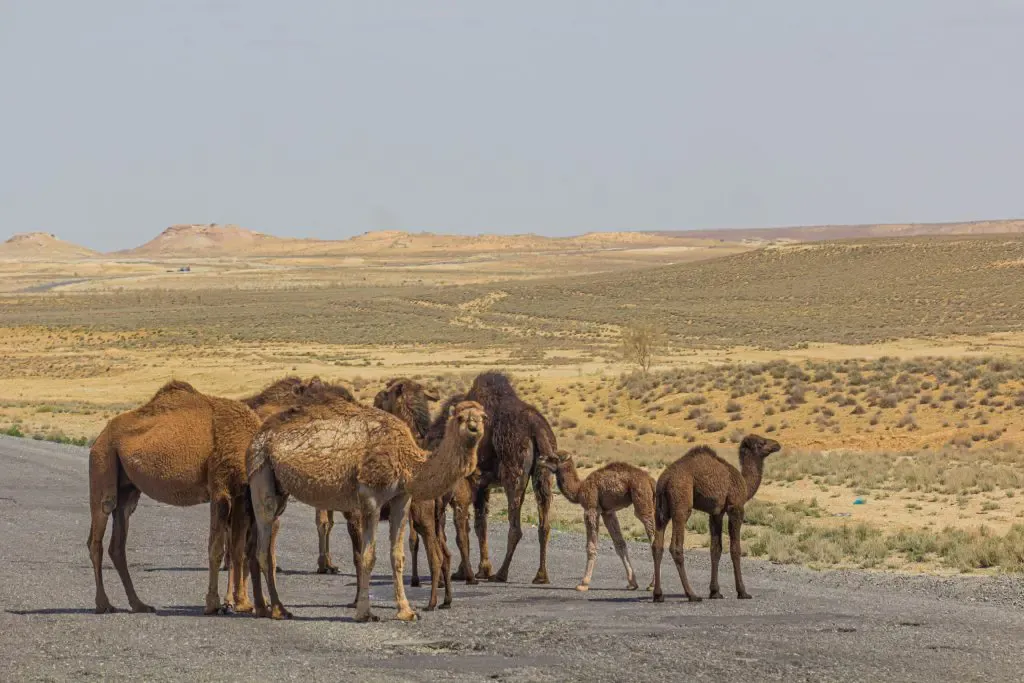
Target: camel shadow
point(50, 610)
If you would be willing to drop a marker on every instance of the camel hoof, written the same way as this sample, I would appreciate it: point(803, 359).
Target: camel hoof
point(582, 588)
point(650, 587)
point(445, 605)
point(429, 608)
point(143, 608)
point(484, 573)
point(499, 578)
point(659, 597)
point(244, 607)
point(213, 610)
point(743, 596)
point(414, 582)
point(471, 580)
point(694, 598)
point(262, 612)
point(407, 616)
point(329, 569)
point(460, 575)
point(106, 609)
point(540, 579)
point(365, 618)
point(278, 612)
point(716, 595)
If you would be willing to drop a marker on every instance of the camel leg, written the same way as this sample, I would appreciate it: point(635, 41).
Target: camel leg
point(460, 513)
point(238, 567)
point(220, 517)
point(481, 508)
point(368, 516)
point(431, 545)
point(127, 500)
point(542, 492)
point(267, 507)
point(735, 526)
point(445, 559)
point(643, 509)
point(414, 550)
point(592, 523)
point(611, 522)
point(398, 517)
point(515, 525)
point(353, 522)
point(324, 524)
point(676, 550)
point(260, 606)
point(715, 522)
point(657, 553)
point(98, 527)
point(227, 553)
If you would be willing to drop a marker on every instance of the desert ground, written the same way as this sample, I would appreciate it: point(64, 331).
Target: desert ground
point(888, 362)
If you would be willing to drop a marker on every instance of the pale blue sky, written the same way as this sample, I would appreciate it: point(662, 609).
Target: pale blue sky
point(327, 119)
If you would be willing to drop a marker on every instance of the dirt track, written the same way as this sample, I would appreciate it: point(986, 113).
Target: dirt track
point(801, 625)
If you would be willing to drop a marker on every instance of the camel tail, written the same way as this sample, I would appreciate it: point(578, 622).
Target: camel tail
point(662, 508)
point(259, 467)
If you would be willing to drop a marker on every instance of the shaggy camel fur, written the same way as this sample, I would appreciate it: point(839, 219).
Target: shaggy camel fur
point(180, 448)
point(702, 480)
point(338, 455)
point(517, 435)
point(604, 492)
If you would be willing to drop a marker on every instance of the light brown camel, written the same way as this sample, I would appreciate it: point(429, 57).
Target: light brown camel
point(604, 492)
point(338, 455)
point(180, 448)
point(702, 480)
point(517, 435)
point(281, 395)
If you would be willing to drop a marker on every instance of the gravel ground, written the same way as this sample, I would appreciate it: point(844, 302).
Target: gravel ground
point(801, 625)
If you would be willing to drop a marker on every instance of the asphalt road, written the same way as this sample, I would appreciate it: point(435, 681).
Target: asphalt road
point(801, 625)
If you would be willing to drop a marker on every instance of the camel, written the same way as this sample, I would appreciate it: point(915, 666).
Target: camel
point(409, 400)
point(337, 455)
point(281, 395)
point(181, 448)
point(516, 436)
point(702, 480)
point(604, 492)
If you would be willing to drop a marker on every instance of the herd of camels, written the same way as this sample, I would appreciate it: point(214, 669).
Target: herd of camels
point(312, 440)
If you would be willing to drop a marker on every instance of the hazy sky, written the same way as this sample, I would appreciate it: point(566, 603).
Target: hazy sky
point(557, 116)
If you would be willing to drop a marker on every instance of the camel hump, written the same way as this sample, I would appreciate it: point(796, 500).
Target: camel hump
point(175, 385)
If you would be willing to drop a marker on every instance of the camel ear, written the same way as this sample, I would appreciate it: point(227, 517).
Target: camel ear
point(431, 394)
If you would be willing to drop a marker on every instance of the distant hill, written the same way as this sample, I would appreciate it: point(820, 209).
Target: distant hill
point(41, 245)
point(815, 233)
point(210, 240)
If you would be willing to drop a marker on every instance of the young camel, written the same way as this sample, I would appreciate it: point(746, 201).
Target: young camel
point(180, 448)
point(517, 436)
point(338, 455)
point(604, 492)
point(702, 480)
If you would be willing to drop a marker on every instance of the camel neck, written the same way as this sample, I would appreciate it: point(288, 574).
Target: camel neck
point(568, 480)
point(439, 472)
point(751, 468)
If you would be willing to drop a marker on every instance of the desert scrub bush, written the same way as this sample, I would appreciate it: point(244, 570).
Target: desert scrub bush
point(694, 400)
point(733, 406)
point(709, 424)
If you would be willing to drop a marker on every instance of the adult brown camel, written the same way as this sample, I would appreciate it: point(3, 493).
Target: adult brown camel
point(339, 455)
point(604, 492)
point(180, 448)
point(702, 480)
point(517, 436)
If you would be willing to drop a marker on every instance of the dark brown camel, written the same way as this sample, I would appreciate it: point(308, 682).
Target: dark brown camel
point(702, 480)
point(517, 436)
point(604, 492)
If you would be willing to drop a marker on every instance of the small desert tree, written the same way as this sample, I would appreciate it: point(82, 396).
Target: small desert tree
point(640, 342)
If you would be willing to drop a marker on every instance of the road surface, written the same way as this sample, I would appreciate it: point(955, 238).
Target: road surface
point(801, 625)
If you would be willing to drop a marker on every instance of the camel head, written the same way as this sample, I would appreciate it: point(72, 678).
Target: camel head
point(554, 461)
point(467, 424)
point(760, 446)
point(409, 401)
